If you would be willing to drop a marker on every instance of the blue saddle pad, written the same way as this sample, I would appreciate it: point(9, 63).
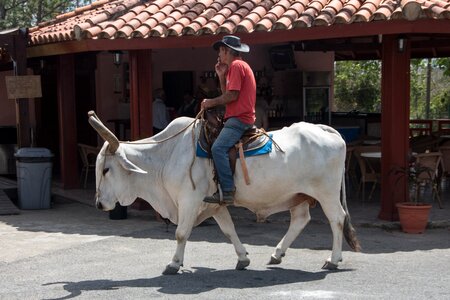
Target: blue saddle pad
point(263, 149)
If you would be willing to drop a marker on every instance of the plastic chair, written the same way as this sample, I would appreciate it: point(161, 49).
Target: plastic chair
point(431, 161)
point(88, 156)
point(370, 172)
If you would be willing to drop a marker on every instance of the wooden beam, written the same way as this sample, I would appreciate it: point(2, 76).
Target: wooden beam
point(141, 94)
point(395, 81)
point(67, 120)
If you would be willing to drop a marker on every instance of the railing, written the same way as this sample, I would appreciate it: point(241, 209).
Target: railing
point(444, 127)
point(420, 127)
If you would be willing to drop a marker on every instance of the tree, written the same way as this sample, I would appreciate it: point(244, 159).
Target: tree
point(27, 13)
point(429, 80)
point(357, 85)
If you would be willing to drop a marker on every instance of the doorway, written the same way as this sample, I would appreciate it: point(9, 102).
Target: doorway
point(175, 84)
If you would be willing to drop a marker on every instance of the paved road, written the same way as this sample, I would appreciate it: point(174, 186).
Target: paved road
point(74, 251)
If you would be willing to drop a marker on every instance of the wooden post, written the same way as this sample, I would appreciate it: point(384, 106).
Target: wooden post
point(67, 120)
point(395, 81)
point(141, 94)
point(141, 102)
point(15, 42)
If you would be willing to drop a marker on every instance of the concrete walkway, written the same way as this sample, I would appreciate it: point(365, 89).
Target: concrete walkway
point(75, 251)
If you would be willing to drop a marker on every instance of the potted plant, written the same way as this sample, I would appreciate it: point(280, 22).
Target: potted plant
point(414, 214)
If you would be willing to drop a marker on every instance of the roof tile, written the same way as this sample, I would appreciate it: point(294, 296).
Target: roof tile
point(108, 32)
point(384, 11)
point(125, 31)
point(98, 18)
point(346, 13)
point(264, 25)
point(328, 13)
point(365, 13)
point(112, 19)
point(92, 32)
point(177, 28)
point(283, 23)
point(199, 22)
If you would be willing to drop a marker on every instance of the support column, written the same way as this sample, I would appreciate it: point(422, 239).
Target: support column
point(67, 121)
point(15, 42)
point(141, 94)
point(395, 93)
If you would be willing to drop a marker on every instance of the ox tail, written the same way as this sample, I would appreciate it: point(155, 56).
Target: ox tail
point(349, 231)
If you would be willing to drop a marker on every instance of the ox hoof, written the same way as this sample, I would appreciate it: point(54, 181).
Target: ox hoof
point(242, 264)
point(329, 266)
point(274, 260)
point(170, 270)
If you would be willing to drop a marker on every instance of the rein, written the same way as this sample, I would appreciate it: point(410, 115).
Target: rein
point(199, 115)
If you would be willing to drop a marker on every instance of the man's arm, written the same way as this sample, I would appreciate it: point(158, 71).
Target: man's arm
point(223, 99)
point(223, 83)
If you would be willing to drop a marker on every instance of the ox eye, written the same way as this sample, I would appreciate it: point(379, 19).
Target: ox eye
point(105, 170)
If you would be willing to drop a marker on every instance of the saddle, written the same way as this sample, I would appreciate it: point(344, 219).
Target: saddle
point(253, 138)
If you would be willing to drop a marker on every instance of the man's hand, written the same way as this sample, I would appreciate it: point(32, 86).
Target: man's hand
point(206, 103)
point(221, 69)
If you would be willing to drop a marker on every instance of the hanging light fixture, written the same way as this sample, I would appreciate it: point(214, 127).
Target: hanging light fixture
point(117, 57)
point(401, 44)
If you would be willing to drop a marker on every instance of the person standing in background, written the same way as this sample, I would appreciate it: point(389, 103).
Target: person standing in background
point(160, 113)
point(189, 106)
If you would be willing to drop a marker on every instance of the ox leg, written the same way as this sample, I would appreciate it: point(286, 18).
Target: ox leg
point(184, 230)
point(226, 224)
point(336, 216)
point(299, 218)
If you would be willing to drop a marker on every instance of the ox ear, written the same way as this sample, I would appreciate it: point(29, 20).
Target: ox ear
point(128, 165)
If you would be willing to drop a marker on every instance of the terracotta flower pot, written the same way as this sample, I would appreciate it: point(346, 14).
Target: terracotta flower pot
point(413, 216)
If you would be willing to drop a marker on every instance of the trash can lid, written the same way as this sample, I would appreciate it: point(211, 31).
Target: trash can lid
point(33, 152)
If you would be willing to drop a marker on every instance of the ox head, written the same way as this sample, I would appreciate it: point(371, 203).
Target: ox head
point(114, 171)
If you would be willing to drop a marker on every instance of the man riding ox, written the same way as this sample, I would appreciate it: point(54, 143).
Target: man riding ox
point(164, 171)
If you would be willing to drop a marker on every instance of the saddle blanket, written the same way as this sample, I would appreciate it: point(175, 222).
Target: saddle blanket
point(260, 150)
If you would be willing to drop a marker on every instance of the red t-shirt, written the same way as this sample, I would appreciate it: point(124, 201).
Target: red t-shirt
point(240, 78)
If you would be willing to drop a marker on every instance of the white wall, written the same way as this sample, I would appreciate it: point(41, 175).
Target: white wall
point(109, 104)
point(197, 60)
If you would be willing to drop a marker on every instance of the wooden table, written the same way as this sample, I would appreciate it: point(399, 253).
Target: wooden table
point(371, 142)
point(371, 154)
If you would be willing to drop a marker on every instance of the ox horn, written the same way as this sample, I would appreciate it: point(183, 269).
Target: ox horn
point(104, 132)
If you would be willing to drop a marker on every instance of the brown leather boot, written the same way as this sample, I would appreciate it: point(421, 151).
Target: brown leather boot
point(228, 198)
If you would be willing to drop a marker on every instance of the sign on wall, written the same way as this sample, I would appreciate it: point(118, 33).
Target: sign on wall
point(27, 86)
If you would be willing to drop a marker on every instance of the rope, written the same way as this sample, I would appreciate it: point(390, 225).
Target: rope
point(262, 131)
point(197, 117)
point(170, 137)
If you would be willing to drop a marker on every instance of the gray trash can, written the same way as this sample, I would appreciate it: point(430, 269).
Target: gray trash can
point(34, 176)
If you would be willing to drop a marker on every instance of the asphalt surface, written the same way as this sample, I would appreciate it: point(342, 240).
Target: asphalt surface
point(75, 251)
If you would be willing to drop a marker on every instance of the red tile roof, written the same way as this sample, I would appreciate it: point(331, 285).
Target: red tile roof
point(125, 19)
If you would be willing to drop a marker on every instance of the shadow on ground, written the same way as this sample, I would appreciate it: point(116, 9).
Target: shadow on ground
point(200, 281)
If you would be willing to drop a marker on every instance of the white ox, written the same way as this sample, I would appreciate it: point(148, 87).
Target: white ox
point(311, 167)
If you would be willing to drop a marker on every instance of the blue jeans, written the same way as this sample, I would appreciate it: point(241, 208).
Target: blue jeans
point(228, 137)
